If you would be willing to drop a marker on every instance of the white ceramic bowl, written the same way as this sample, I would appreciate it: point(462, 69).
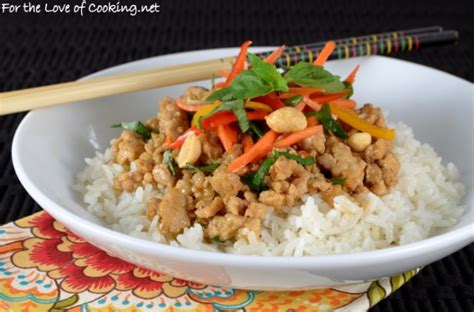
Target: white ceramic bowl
point(50, 145)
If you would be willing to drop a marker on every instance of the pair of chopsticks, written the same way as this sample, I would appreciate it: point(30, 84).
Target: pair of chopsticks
point(374, 44)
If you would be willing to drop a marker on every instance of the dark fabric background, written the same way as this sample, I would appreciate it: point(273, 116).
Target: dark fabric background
point(45, 48)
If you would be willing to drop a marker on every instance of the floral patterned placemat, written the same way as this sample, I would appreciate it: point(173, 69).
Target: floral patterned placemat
point(45, 267)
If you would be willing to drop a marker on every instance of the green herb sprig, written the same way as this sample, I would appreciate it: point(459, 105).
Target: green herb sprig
point(135, 126)
point(169, 162)
point(329, 124)
point(255, 180)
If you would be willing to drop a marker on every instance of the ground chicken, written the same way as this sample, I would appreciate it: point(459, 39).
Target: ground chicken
point(226, 183)
point(257, 210)
point(128, 147)
point(173, 213)
point(224, 227)
point(251, 225)
point(236, 205)
point(314, 142)
point(339, 160)
point(390, 169)
point(173, 120)
point(372, 115)
point(212, 148)
point(207, 209)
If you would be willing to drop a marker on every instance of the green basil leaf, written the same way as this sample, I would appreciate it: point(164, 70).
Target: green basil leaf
point(268, 73)
point(248, 85)
point(135, 126)
point(305, 161)
point(329, 124)
point(218, 94)
point(256, 130)
point(338, 181)
point(294, 100)
point(204, 169)
point(242, 119)
point(313, 76)
point(169, 162)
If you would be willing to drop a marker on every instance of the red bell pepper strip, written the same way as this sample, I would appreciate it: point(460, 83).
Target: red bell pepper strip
point(180, 140)
point(225, 118)
point(271, 100)
point(239, 62)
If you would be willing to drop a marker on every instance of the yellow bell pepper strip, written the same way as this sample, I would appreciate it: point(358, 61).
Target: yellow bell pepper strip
point(351, 118)
point(203, 111)
point(257, 105)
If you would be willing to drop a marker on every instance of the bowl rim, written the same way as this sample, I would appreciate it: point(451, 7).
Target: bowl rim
point(363, 258)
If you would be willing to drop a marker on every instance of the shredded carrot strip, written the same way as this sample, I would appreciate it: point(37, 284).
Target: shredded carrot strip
point(220, 85)
point(272, 58)
point(350, 104)
point(223, 132)
point(351, 77)
point(224, 73)
point(325, 53)
point(313, 104)
point(300, 106)
point(259, 148)
point(295, 137)
point(247, 142)
point(239, 62)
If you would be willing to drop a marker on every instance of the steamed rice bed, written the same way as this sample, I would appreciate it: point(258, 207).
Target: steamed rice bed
point(425, 201)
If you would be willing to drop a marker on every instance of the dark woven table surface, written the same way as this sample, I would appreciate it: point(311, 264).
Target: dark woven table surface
point(39, 49)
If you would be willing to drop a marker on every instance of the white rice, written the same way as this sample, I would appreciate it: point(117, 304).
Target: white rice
point(425, 201)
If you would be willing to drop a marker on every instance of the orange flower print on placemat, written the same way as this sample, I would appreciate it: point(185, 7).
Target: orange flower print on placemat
point(45, 267)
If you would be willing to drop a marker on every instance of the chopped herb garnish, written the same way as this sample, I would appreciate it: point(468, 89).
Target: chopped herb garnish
point(204, 169)
point(268, 73)
point(135, 126)
point(169, 161)
point(329, 124)
point(261, 79)
point(313, 76)
point(256, 130)
point(294, 100)
point(338, 181)
point(248, 85)
point(220, 94)
point(255, 180)
point(350, 88)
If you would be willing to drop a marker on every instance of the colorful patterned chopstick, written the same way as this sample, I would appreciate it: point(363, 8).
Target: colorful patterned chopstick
point(383, 46)
point(368, 38)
